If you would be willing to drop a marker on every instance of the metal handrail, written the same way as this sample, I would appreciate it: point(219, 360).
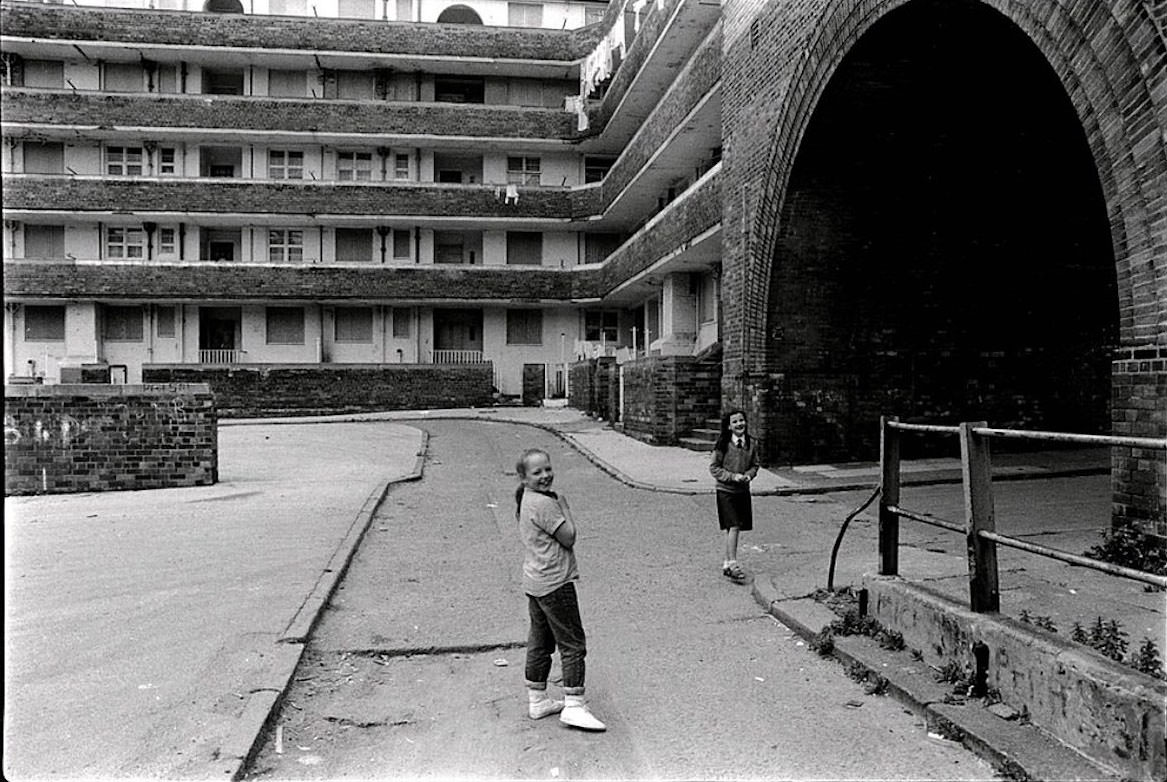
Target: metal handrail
point(977, 467)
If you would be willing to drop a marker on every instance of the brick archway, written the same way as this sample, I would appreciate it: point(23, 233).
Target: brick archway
point(778, 66)
point(1129, 147)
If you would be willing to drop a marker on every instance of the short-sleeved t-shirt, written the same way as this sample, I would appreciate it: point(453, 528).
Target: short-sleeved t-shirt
point(547, 565)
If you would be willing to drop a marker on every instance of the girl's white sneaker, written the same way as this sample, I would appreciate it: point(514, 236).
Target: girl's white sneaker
point(576, 714)
point(541, 706)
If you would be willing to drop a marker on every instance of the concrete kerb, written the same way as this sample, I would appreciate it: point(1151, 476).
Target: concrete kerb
point(245, 739)
point(1019, 751)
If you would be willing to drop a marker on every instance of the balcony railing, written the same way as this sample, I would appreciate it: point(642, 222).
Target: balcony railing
point(459, 357)
point(220, 356)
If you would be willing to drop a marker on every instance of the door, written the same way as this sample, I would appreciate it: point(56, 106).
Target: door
point(534, 383)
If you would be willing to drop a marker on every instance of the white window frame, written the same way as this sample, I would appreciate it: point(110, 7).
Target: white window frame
point(125, 243)
point(120, 161)
point(168, 161)
point(281, 164)
point(401, 166)
point(526, 170)
point(167, 241)
point(353, 166)
point(285, 245)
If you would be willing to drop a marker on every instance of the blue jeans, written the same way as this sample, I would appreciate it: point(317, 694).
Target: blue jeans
point(555, 622)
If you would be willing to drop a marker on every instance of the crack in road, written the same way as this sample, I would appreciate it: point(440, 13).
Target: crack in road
point(435, 651)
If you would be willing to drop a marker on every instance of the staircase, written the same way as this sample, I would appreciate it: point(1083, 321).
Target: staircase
point(702, 438)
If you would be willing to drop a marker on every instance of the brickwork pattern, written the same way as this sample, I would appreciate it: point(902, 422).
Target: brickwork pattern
point(1139, 409)
point(312, 389)
point(665, 398)
point(582, 380)
point(263, 197)
point(306, 283)
point(59, 107)
point(183, 28)
point(74, 438)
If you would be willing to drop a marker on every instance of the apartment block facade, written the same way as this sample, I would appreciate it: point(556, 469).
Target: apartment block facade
point(820, 211)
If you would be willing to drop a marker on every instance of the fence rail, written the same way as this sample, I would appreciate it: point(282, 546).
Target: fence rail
point(219, 356)
point(980, 522)
point(459, 357)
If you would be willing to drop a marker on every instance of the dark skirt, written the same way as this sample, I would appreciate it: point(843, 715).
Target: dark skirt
point(735, 510)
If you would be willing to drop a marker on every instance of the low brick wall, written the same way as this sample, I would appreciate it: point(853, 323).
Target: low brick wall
point(583, 380)
point(592, 381)
point(667, 397)
point(315, 389)
point(87, 437)
point(1108, 712)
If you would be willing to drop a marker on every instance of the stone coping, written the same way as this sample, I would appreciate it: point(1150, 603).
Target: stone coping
point(104, 389)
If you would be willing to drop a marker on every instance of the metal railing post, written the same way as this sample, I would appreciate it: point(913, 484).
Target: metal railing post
point(889, 523)
point(976, 466)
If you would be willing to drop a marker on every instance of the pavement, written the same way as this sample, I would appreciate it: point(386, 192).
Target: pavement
point(151, 634)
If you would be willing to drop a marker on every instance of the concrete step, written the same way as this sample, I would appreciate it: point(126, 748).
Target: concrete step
point(695, 444)
point(705, 434)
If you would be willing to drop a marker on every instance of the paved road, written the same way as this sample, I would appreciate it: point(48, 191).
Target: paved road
point(416, 670)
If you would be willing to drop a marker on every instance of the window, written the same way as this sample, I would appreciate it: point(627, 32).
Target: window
point(285, 164)
point(222, 82)
point(44, 73)
point(524, 170)
point(354, 244)
point(525, 247)
point(354, 324)
point(401, 166)
point(167, 244)
point(285, 325)
point(525, 92)
point(285, 246)
point(355, 85)
point(44, 323)
point(121, 243)
point(164, 321)
point(167, 79)
point(448, 246)
point(601, 326)
point(123, 77)
point(594, 14)
point(454, 90)
point(401, 244)
point(167, 161)
point(121, 324)
point(44, 241)
point(287, 84)
point(596, 168)
point(525, 14)
point(402, 318)
point(597, 247)
point(354, 166)
point(44, 158)
point(123, 161)
point(524, 327)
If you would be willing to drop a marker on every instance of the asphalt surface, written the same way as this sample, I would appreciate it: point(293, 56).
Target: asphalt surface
point(416, 669)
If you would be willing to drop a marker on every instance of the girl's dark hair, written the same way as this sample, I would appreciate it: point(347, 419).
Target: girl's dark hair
point(521, 471)
point(726, 436)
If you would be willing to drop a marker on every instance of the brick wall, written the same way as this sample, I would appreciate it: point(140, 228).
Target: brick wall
point(582, 384)
point(830, 281)
point(236, 282)
point(1139, 409)
point(665, 398)
point(74, 438)
point(310, 389)
point(62, 107)
point(183, 28)
point(251, 196)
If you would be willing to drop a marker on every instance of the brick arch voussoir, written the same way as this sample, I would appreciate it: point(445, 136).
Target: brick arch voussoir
point(1091, 81)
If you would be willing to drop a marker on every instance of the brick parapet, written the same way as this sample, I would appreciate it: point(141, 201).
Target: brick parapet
point(666, 397)
point(240, 196)
point(240, 282)
point(151, 111)
point(185, 28)
point(73, 438)
point(1139, 409)
point(313, 389)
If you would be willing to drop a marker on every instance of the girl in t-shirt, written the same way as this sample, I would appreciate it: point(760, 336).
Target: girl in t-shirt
point(548, 532)
point(733, 466)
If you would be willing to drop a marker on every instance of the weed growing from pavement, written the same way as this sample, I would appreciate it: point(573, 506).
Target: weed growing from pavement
point(1128, 546)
